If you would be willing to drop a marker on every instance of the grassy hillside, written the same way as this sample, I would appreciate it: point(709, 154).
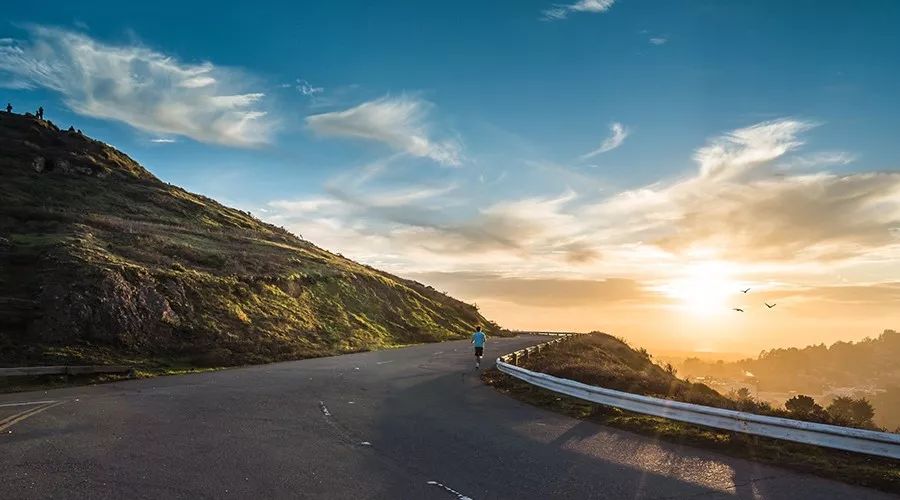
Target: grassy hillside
point(100, 261)
point(606, 361)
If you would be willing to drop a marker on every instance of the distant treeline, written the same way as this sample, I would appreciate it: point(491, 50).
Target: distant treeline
point(856, 367)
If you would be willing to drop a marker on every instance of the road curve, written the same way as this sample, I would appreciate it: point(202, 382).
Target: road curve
point(401, 423)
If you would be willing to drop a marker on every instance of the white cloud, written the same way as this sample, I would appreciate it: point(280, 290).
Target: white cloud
point(618, 133)
point(138, 86)
point(304, 87)
point(658, 40)
point(743, 150)
point(307, 89)
point(736, 206)
point(558, 12)
point(399, 122)
point(162, 140)
point(820, 159)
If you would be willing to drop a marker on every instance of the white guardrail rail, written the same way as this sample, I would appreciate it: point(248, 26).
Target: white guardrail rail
point(883, 444)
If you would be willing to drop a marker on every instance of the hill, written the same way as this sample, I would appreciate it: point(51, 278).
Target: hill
point(100, 261)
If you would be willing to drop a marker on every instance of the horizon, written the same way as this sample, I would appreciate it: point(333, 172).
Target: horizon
point(735, 147)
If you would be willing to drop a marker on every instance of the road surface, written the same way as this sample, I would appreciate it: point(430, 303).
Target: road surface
point(401, 424)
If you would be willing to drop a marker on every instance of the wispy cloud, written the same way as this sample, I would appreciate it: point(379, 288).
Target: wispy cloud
point(818, 160)
point(139, 86)
point(562, 11)
point(399, 122)
point(162, 140)
point(658, 40)
point(618, 134)
point(737, 206)
point(743, 150)
point(304, 87)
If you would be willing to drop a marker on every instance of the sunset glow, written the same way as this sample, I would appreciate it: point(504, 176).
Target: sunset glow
point(522, 176)
point(705, 289)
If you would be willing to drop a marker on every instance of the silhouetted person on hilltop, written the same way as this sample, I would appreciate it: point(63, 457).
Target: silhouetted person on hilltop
point(8, 108)
point(40, 113)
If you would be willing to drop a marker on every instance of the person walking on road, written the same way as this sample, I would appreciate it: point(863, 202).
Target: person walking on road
point(478, 340)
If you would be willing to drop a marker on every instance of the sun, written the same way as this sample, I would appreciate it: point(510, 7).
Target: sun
point(704, 288)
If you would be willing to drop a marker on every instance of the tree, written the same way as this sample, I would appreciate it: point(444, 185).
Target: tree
point(856, 412)
point(863, 412)
point(803, 407)
point(743, 393)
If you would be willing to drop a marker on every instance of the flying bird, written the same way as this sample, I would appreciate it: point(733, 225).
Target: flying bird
point(769, 305)
point(738, 309)
point(745, 291)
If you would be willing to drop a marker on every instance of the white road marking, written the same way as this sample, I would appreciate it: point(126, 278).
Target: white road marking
point(384, 362)
point(366, 443)
point(26, 403)
point(448, 489)
point(324, 409)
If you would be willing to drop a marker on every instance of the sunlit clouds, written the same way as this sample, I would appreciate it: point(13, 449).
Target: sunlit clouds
point(759, 211)
point(139, 86)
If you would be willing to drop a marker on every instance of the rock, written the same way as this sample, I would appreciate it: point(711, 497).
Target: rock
point(83, 170)
point(39, 164)
point(121, 308)
point(62, 166)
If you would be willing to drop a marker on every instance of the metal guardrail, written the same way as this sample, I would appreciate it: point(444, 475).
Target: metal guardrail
point(25, 371)
point(883, 444)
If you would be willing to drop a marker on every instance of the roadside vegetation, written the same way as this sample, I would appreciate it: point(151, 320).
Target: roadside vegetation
point(606, 361)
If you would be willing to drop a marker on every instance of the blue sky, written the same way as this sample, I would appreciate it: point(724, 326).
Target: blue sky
point(454, 140)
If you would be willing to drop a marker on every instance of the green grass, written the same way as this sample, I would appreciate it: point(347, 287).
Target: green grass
point(606, 361)
point(119, 264)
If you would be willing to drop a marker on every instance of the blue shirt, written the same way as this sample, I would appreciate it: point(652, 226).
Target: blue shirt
point(478, 338)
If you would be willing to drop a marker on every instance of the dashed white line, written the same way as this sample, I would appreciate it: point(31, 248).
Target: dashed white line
point(365, 443)
point(384, 362)
point(448, 489)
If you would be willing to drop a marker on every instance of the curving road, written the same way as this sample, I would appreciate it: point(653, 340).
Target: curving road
point(402, 423)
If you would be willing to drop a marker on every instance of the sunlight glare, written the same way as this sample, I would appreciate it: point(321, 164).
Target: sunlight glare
point(705, 288)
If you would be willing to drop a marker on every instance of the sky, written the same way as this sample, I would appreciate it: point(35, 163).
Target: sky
point(628, 166)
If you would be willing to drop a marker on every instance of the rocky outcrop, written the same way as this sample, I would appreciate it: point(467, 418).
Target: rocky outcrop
point(109, 308)
point(38, 164)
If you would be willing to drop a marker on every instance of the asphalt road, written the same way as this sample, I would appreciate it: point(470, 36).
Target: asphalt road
point(402, 423)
